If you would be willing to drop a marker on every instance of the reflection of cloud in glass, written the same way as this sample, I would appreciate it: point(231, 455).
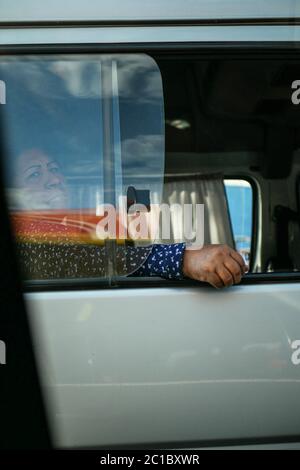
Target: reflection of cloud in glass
point(144, 155)
point(81, 79)
point(85, 167)
point(138, 75)
point(47, 89)
point(139, 78)
point(53, 78)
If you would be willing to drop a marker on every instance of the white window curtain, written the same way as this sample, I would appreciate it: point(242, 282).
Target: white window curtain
point(200, 189)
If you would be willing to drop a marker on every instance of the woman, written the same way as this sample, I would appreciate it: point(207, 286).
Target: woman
point(57, 243)
point(39, 182)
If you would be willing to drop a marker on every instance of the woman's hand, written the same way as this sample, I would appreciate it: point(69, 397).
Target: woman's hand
point(219, 265)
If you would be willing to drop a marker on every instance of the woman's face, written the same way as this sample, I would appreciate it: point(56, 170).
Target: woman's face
point(41, 182)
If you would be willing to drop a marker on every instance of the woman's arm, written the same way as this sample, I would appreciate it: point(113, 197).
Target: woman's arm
point(164, 261)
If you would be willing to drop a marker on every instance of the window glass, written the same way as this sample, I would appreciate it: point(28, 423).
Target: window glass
point(240, 201)
point(80, 131)
point(101, 125)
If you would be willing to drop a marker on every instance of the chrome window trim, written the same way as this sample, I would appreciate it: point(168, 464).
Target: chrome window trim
point(148, 35)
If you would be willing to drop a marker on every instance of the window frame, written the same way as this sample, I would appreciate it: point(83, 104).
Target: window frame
point(223, 49)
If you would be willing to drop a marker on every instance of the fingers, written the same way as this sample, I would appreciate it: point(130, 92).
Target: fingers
point(239, 259)
point(234, 268)
point(226, 276)
point(215, 280)
point(219, 265)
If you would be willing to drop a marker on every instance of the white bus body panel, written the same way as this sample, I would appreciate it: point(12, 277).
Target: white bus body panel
point(130, 366)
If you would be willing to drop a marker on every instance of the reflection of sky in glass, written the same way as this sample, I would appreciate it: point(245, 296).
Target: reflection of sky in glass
point(142, 125)
point(54, 104)
point(101, 118)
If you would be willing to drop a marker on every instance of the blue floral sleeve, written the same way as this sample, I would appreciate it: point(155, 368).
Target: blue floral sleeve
point(165, 261)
